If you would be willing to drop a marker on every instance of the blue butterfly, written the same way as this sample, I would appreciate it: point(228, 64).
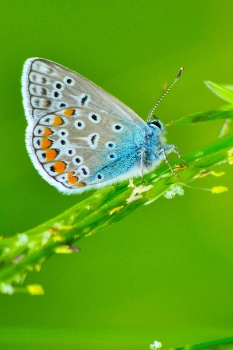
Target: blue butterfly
point(79, 137)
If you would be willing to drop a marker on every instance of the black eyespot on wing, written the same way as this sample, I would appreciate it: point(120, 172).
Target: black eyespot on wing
point(77, 160)
point(58, 86)
point(63, 132)
point(112, 156)
point(93, 139)
point(79, 124)
point(84, 171)
point(117, 127)
point(83, 100)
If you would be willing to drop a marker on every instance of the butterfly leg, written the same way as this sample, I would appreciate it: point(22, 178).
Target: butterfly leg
point(163, 150)
point(142, 158)
point(175, 149)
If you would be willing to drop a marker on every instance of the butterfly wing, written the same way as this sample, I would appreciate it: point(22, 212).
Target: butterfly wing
point(77, 149)
point(71, 136)
point(48, 87)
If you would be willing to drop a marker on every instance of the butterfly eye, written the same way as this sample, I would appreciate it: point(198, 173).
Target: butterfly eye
point(156, 123)
point(69, 81)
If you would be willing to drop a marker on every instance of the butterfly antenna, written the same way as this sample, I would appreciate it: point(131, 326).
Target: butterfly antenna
point(165, 93)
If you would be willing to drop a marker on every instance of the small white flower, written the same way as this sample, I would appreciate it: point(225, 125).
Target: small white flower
point(198, 153)
point(156, 345)
point(45, 237)
point(7, 289)
point(6, 250)
point(137, 193)
point(31, 244)
point(174, 189)
point(22, 239)
point(131, 184)
point(165, 175)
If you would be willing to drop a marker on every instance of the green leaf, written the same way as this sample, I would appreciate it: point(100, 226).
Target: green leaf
point(218, 344)
point(208, 116)
point(27, 251)
point(226, 112)
point(223, 91)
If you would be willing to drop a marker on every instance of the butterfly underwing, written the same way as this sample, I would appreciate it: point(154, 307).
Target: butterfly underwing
point(80, 137)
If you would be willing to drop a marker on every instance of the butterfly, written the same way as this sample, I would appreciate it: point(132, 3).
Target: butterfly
point(80, 137)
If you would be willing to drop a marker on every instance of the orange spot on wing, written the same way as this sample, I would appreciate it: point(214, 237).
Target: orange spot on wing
point(72, 179)
point(45, 143)
point(81, 184)
point(68, 112)
point(59, 167)
point(57, 121)
point(51, 154)
point(47, 132)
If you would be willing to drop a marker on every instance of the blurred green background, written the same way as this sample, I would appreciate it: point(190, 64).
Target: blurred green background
point(165, 272)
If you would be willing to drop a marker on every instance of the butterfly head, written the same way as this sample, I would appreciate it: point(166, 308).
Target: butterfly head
point(158, 130)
